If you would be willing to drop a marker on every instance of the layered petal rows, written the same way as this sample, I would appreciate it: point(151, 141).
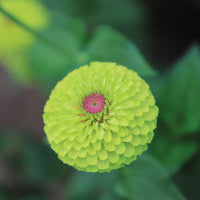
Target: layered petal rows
point(106, 137)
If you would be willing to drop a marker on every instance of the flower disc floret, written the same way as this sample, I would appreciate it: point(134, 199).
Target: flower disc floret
point(100, 117)
point(94, 103)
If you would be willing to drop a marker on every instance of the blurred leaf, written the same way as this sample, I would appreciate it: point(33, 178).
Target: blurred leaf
point(18, 34)
point(49, 64)
point(179, 99)
point(146, 179)
point(40, 163)
point(189, 183)
point(174, 154)
point(110, 196)
point(156, 84)
point(113, 12)
point(109, 45)
point(91, 186)
point(128, 16)
point(195, 164)
point(117, 11)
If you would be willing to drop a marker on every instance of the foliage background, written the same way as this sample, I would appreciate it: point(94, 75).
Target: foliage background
point(159, 40)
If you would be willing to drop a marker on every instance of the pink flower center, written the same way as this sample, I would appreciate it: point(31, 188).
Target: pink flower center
point(94, 103)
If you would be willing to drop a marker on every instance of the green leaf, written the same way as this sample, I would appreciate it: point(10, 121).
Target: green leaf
point(40, 164)
point(174, 154)
point(129, 17)
point(109, 196)
point(156, 84)
point(109, 45)
point(49, 64)
point(179, 99)
point(145, 179)
point(91, 186)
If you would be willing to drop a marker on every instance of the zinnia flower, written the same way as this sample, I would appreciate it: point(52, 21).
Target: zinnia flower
point(100, 117)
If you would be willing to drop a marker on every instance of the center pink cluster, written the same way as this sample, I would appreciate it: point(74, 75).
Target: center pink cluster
point(94, 103)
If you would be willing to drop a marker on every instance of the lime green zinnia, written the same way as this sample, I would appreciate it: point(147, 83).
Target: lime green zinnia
point(100, 117)
point(14, 40)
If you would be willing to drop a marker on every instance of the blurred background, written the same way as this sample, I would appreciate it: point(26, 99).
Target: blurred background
point(43, 40)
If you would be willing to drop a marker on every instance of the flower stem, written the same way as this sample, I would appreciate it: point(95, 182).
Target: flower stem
point(37, 34)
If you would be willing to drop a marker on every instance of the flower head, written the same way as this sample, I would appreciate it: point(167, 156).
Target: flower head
point(100, 117)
